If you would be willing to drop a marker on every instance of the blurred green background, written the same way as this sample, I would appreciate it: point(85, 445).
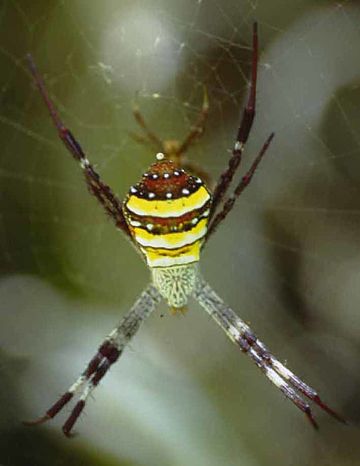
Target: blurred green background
point(287, 259)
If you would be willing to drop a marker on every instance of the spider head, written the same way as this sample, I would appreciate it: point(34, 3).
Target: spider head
point(167, 213)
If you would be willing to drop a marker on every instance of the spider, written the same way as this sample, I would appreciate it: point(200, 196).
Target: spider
point(169, 215)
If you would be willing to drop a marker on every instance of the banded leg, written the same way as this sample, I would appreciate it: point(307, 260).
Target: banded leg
point(107, 354)
point(244, 182)
point(242, 134)
point(100, 190)
point(241, 334)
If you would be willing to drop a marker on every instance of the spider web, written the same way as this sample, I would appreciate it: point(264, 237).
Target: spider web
point(288, 254)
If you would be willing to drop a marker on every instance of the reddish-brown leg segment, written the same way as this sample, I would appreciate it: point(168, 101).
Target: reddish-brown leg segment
point(107, 354)
point(227, 176)
point(97, 187)
point(241, 334)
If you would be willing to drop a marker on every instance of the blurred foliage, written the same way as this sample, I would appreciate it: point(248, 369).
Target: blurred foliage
point(288, 255)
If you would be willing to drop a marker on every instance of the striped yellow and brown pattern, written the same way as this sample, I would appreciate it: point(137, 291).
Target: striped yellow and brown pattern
point(167, 213)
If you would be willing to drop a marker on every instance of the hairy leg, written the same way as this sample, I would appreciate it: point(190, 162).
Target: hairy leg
point(97, 187)
point(242, 134)
point(241, 334)
point(244, 182)
point(107, 354)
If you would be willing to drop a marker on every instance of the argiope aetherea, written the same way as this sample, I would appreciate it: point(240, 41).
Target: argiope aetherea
point(169, 216)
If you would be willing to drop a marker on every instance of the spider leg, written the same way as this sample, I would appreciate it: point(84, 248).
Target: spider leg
point(244, 182)
point(296, 382)
point(100, 190)
point(241, 334)
point(150, 136)
point(107, 354)
point(140, 139)
point(173, 149)
point(197, 129)
point(243, 132)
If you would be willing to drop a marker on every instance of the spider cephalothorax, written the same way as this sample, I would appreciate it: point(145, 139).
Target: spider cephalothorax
point(169, 215)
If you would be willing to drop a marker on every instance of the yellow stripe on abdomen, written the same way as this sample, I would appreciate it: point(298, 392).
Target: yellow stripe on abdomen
point(170, 240)
point(168, 208)
point(167, 258)
point(167, 213)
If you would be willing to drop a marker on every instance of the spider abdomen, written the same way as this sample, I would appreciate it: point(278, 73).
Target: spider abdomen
point(167, 214)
